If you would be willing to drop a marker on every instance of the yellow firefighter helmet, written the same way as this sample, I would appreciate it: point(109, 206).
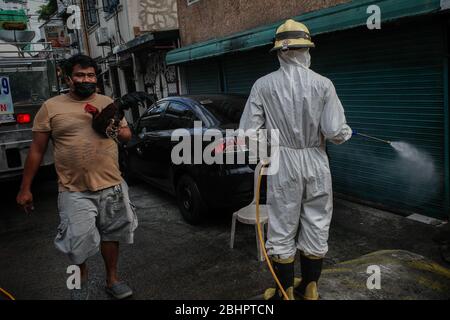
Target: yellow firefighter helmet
point(292, 34)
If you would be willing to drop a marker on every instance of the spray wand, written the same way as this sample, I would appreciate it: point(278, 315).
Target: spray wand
point(356, 133)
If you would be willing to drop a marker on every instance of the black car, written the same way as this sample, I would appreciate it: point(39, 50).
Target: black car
point(198, 187)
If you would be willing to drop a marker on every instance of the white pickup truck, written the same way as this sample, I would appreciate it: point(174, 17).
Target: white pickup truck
point(27, 78)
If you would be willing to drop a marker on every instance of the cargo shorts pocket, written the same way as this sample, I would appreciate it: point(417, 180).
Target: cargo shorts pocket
point(114, 206)
point(114, 214)
point(62, 242)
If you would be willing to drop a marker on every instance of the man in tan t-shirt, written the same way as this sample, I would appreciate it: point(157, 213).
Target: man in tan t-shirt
point(93, 201)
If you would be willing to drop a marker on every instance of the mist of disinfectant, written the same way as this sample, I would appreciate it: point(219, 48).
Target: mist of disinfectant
point(416, 168)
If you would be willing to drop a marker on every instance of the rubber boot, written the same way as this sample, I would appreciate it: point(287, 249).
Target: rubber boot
point(311, 268)
point(284, 270)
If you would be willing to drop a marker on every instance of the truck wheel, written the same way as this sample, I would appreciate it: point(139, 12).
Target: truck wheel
point(189, 200)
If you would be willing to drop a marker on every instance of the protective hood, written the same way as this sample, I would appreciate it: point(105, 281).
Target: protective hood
point(294, 58)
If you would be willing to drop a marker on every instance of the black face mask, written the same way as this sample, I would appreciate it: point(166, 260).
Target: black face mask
point(85, 89)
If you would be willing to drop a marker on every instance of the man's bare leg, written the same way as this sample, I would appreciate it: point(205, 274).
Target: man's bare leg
point(110, 253)
point(83, 271)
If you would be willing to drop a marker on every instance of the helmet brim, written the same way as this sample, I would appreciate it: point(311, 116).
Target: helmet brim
point(292, 44)
point(312, 45)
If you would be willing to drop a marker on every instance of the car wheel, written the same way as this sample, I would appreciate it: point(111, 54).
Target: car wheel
point(189, 200)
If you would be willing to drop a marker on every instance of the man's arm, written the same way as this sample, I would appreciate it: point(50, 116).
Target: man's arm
point(333, 123)
point(32, 164)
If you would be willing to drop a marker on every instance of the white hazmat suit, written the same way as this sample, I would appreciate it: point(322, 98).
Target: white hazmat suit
point(306, 110)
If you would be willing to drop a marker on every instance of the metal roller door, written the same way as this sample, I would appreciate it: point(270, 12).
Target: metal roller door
point(203, 77)
point(391, 85)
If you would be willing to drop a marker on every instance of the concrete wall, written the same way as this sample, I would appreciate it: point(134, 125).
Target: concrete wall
point(31, 8)
point(118, 36)
point(34, 23)
point(157, 15)
point(11, 5)
point(207, 19)
point(134, 17)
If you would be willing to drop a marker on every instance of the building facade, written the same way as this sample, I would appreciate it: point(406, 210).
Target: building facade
point(203, 20)
point(129, 40)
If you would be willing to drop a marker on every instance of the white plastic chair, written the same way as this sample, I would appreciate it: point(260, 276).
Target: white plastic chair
point(247, 215)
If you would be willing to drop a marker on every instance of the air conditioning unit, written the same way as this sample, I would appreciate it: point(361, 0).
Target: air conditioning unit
point(102, 36)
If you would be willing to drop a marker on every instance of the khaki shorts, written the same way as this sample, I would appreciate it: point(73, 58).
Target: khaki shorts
point(88, 218)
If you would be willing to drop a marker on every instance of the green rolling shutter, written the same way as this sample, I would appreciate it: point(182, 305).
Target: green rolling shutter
point(390, 82)
point(242, 70)
point(203, 77)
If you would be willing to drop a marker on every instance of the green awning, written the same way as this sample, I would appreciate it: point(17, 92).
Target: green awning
point(344, 16)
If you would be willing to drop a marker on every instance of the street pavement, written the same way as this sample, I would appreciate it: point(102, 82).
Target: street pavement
point(174, 260)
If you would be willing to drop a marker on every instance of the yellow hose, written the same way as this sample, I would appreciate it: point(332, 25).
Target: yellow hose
point(6, 293)
point(261, 240)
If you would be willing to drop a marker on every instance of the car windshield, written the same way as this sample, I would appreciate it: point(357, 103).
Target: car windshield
point(227, 109)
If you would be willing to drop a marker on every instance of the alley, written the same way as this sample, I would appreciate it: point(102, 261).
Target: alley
point(174, 260)
point(333, 114)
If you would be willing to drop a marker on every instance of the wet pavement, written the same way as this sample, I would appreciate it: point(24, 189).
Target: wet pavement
point(174, 260)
